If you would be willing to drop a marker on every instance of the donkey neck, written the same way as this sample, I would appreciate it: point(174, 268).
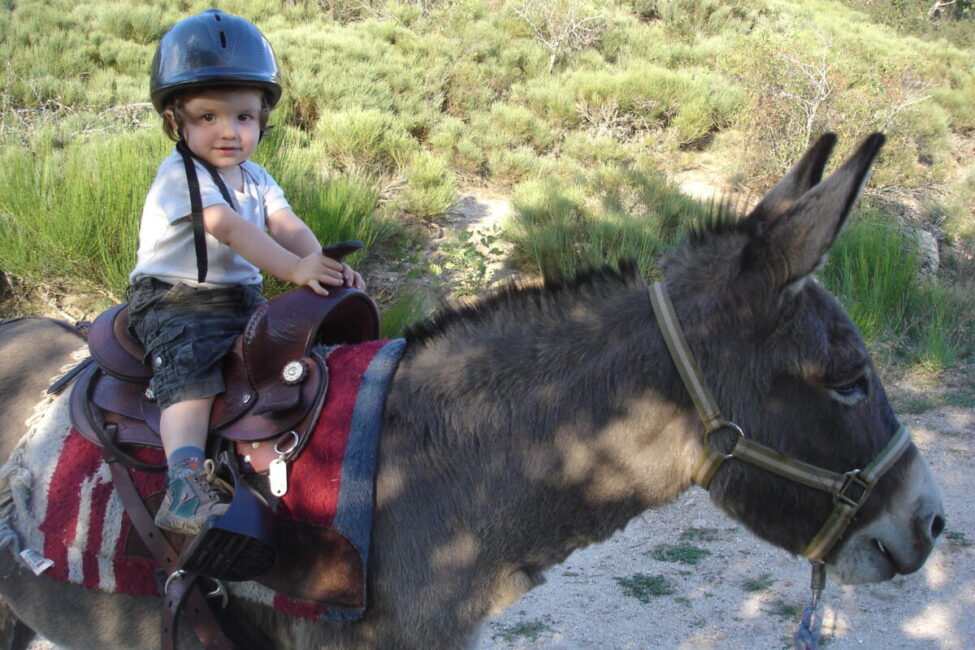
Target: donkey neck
point(561, 406)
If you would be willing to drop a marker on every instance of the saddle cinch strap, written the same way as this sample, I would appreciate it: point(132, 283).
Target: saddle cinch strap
point(275, 384)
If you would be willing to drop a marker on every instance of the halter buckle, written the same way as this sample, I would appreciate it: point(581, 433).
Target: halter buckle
point(855, 498)
point(720, 425)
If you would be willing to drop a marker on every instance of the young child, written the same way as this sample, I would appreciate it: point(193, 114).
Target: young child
point(212, 221)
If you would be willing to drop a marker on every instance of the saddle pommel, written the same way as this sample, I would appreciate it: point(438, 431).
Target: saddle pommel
point(288, 326)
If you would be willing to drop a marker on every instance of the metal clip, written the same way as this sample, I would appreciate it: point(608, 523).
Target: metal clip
point(852, 479)
point(278, 468)
point(178, 574)
point(219, 591)
point(817, 581)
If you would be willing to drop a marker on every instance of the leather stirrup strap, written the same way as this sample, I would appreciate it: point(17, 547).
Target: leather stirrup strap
point(184, 591)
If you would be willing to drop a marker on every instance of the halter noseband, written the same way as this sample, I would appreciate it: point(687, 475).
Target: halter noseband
point(850, 489)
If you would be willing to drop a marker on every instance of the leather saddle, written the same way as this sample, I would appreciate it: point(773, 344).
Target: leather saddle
point(275, 384)
point(275, 389)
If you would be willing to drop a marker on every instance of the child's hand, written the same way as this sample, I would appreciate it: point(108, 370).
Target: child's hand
point(316, 270)
point(352, 278)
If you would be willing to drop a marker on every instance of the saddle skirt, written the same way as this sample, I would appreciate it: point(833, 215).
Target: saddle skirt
point(59, 500)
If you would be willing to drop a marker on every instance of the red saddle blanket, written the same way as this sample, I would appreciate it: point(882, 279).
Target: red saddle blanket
point(79, 522)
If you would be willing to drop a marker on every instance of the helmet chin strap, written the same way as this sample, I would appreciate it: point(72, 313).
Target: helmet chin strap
point(196, 202)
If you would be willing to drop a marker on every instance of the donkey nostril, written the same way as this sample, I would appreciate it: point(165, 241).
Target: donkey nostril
point(937, 526)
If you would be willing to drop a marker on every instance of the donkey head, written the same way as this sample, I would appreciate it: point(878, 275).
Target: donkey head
point(788, 366)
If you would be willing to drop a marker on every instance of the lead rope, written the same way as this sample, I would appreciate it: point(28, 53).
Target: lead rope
point(807, 636)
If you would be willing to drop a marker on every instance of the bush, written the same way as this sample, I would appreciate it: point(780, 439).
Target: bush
point(615, 212)
point(72, 212)
point(430, 187)
point(368, 141)
point(874, 270)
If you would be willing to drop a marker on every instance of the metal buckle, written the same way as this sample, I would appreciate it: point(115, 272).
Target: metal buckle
point(852, 479)
point(725, 424)
point(289, 436)
point(219, 591)
point(178, 574)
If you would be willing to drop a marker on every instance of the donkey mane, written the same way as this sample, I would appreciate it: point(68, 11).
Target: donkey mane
point(516, 297)
point(724, 215)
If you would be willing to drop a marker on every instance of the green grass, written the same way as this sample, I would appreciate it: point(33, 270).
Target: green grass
point(786, 611)
point(917, 403)
point(875, 272)
point(958, 539)
point(873, 269)
point(612, 212)
point(700, 535)
point(528, 630)
point(401, 312)
point(964, 399)
point(71, 211)
point(762, 583)
point(644, 587)
point(70, 207)
point(683, 553)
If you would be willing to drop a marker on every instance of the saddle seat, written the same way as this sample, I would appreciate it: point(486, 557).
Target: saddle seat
point(273, 381)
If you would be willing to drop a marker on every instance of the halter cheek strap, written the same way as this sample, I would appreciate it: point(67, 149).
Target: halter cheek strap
point(850, 490)
point(196, 203)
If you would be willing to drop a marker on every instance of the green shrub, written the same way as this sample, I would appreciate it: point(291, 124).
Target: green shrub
point(594, 149)
point(368, 141)
point(874, 270)
point(72, 212)
point(558, 229)
point(944, 335)
point(430, 187)
point(692, 19)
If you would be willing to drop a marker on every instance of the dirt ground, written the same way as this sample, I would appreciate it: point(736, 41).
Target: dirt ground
point(730, 590)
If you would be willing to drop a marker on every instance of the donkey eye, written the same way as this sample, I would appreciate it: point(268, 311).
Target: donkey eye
point(851, 392)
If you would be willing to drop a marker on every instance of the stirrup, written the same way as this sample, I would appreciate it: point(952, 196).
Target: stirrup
point(237, 545)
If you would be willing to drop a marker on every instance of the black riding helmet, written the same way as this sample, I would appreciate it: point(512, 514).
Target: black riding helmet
point(213, 49)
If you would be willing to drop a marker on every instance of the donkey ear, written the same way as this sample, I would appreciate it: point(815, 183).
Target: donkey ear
point(801, 178)
point(796, 241)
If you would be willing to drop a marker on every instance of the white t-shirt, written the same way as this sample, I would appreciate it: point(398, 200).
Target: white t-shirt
point(166, 247)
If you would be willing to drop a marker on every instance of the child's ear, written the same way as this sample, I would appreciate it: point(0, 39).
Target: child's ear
point(170, 118)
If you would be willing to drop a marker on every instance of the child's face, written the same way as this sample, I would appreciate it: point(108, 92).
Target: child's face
point(222, 126)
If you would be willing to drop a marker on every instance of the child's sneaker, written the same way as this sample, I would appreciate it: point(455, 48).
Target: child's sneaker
point(192, 499)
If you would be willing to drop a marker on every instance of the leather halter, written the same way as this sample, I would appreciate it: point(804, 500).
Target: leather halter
point(850, 490)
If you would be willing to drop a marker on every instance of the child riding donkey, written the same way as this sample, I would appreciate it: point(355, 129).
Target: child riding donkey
point(212, 222)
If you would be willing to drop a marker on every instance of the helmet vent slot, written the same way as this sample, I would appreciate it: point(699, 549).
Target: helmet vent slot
point(223, 40)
